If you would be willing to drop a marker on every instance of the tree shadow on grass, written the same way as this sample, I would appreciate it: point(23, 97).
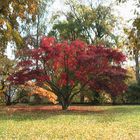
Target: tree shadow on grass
point(125, 109)
point(22, 113)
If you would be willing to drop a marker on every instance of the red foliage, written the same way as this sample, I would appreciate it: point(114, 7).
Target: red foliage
point(64, 65)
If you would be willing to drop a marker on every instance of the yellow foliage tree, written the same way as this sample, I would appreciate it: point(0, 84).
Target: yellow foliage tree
point(12, 14)
point(35, 89)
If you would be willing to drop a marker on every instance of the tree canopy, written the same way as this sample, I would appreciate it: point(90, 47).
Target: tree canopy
point(66, 65)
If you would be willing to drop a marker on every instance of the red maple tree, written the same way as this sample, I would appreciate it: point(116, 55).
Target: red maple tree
point(69, 67)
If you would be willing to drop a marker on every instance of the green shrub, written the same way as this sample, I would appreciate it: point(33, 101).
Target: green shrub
point(133, 94)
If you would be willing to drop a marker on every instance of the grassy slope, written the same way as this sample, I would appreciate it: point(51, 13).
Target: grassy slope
point(113, 123)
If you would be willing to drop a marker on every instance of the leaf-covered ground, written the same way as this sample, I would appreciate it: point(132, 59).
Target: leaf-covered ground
point(78, 123)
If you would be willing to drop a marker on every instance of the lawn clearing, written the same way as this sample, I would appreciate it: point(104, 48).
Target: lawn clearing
point(78, 123)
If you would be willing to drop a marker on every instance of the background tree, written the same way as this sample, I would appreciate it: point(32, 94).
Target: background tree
point(12, 13)
point(133, 49)
point(38, 28)
point(90, 23)
point(133, 40)
point(35, 30)
point(6, 68)
point(133, 46)
point(17, 20)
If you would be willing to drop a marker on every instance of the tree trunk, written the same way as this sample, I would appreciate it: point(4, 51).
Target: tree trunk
point(96, 98)
point(113, 100)
point(8, 101)
point(82, 98)
point(64, 107)
point(65, 104)
point(136, 54)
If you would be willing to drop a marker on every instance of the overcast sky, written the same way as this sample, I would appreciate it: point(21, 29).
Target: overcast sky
point(125, 10)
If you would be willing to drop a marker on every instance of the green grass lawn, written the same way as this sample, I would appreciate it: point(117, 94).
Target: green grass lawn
point(106, 123)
